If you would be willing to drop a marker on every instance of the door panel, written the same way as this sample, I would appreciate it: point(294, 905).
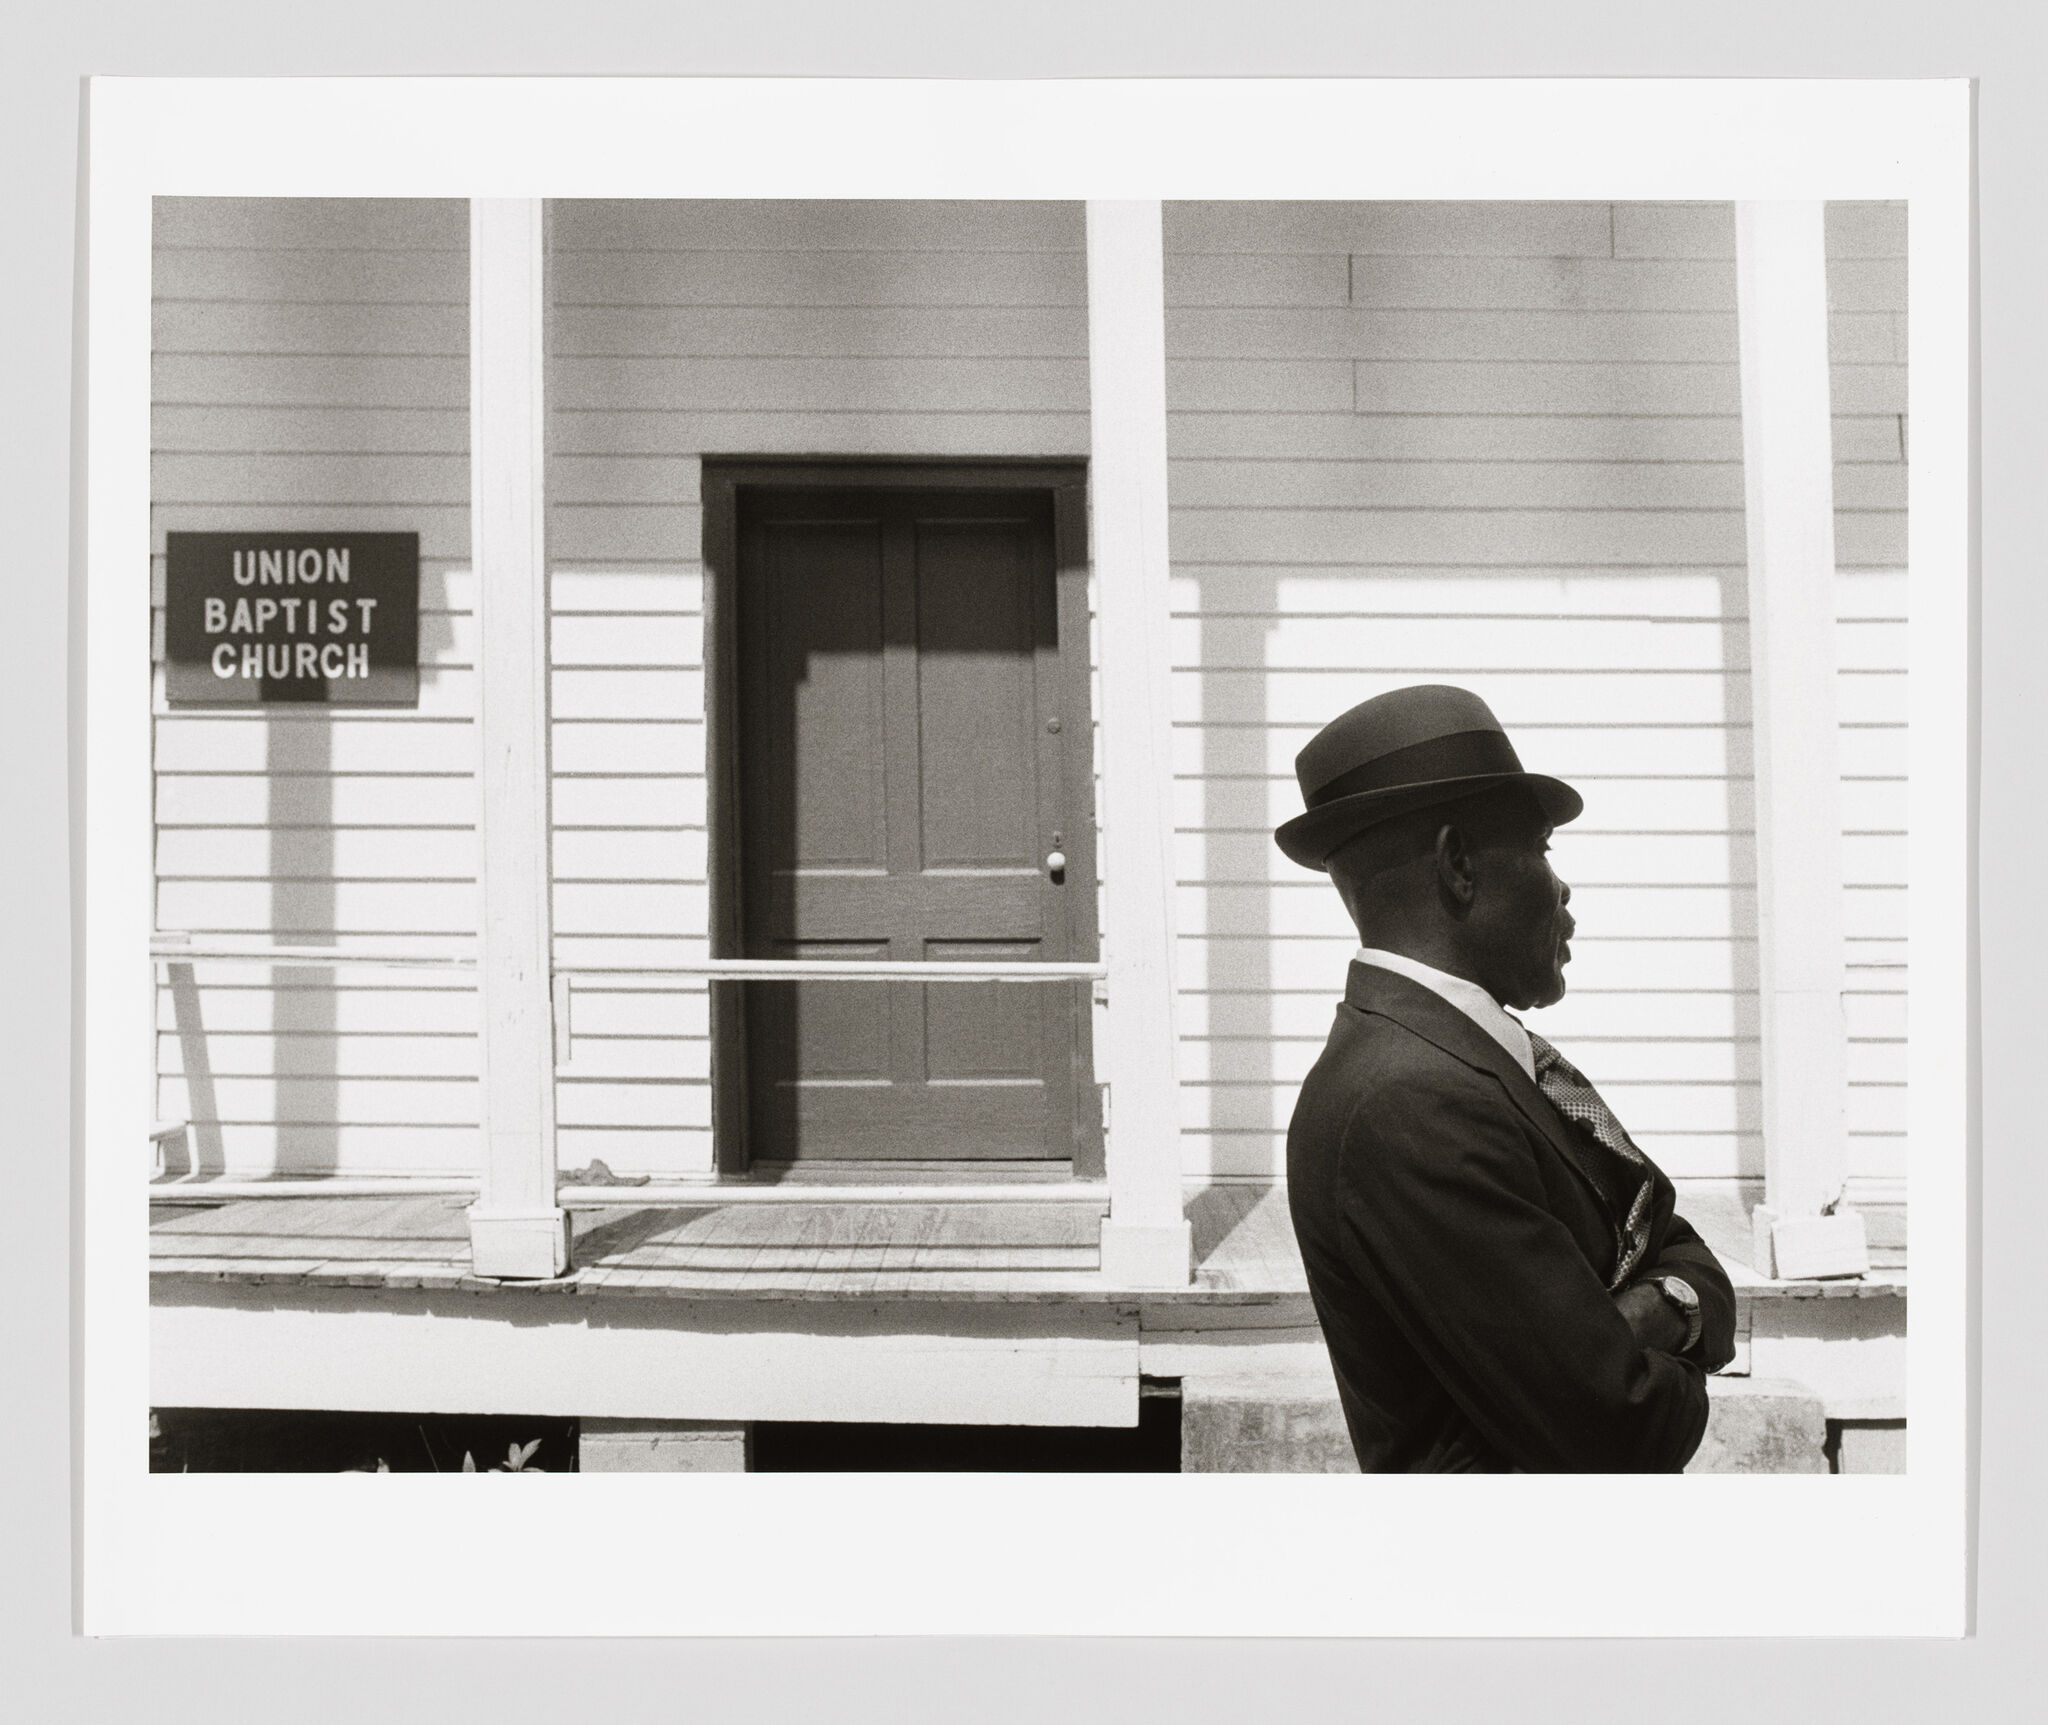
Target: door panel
point(978, 626)
point(899, 788)
point(822, 648)
point(984, 1032)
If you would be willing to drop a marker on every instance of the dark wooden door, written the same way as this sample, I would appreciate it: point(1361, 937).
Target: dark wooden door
point(907, 767)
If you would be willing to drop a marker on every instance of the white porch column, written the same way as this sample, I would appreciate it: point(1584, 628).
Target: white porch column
point(1788, 479)
point(1145, 1238)
point(516, 1228)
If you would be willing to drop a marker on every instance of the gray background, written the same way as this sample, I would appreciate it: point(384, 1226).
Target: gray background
point(51, 1675)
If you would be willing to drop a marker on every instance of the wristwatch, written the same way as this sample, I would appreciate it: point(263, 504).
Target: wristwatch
point(1680, 1293)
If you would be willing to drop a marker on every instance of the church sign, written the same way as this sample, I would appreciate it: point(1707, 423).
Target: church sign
point(256, 618)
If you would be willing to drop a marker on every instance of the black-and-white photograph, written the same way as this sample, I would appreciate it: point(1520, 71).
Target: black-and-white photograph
point(1021, 836)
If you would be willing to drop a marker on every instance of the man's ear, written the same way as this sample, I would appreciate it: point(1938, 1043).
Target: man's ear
point(1454, 876)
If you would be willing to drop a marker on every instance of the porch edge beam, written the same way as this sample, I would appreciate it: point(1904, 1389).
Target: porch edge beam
point(1145, 1239)
point(517, 1228)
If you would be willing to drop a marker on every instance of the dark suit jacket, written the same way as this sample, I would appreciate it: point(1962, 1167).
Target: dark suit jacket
point(1459, 1259)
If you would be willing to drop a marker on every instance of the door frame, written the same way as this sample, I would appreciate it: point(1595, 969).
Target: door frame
point(1064, 479)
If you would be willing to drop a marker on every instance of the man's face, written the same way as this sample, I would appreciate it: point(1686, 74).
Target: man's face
point(1519, 929)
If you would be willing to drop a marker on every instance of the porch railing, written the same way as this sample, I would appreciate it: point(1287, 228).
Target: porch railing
point(174, 948)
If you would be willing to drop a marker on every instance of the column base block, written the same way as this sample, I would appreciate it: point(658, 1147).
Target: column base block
point(1138, 1255)
point(1263, 1425)
point(519, 1246)
point(1801, 1248)
point(1761, 1425)
point(661, 1446)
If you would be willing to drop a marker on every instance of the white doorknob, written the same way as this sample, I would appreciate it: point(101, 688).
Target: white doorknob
point(1055, 862)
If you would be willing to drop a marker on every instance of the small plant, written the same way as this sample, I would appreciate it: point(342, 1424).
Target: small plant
point(516, 1457)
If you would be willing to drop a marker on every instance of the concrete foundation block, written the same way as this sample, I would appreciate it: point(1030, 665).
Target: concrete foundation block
point(1762, 1425)
point(1870, 1446)
point(661, 1446)
point(1263, 1426)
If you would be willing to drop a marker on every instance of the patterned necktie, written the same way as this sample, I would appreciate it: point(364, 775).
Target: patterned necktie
point(1627, 1186)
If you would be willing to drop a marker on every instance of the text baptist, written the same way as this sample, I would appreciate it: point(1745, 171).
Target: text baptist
point(290, 617)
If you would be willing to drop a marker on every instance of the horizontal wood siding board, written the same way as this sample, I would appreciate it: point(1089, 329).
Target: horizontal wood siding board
point(818, 225)
point(1461, 537)
point(307, 380)
point(302, 225)
point(766, 280)
point(1258, 280)
point(1696, 230)
point(1228, 596)
point(1589, 857)
point(232, 743)
point(1398, 229)
point(262, 1147)
point(1629, 388)
point(326, 1054)
point(319, 802)
point(298, 1005)
point(813, 431)
point(824, 332)
point(231, 479)
point(226, 277)
point(1266, 747)
point(316, 911)
point(346, 431)
point(324, 1100)
point(1255, 483)
point(774, 383)
point(310, 328)
point(1539, 643)
point(1437, 436)
point(317, 851)
point(1447, 336)
point(443, 528)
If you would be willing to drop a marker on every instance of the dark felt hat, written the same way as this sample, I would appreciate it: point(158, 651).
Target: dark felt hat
point(1407, 749)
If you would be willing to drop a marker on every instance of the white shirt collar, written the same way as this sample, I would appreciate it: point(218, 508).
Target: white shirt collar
point(1468, 997)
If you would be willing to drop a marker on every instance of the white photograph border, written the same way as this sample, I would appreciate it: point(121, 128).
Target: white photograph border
point(1318, 1555)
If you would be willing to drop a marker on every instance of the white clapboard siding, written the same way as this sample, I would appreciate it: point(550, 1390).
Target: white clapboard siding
point(311, 372)
point(1867, 288)
point(684, 330)
point(1501, 445)
point(1497, 446)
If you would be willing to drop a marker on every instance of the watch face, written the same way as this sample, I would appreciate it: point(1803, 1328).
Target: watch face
point(1680, 1293)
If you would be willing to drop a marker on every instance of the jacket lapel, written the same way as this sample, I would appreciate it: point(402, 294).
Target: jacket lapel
point(1441, 1024)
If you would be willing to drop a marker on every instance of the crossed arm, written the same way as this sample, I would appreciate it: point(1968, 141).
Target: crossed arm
point(1452, 1228)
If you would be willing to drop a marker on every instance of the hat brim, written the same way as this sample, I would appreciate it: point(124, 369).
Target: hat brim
point(1309, 838)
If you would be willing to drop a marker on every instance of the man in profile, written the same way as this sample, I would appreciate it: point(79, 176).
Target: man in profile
point(1501, 1277)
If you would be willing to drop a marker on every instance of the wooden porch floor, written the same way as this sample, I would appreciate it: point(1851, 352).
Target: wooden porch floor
point(1244, 1249)
point(1243, 1245)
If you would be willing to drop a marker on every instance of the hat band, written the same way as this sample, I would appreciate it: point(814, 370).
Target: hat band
point(1461, 755)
